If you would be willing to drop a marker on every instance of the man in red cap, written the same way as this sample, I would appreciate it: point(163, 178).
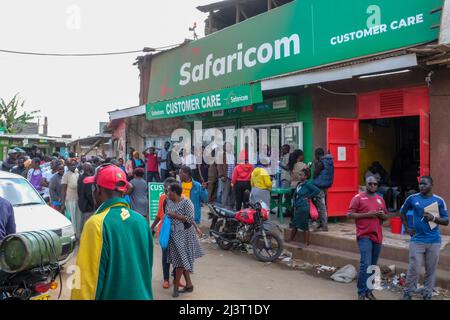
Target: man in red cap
point(115, 257)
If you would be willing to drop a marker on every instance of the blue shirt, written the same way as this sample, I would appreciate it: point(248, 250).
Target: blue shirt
point(7, 221)
point(417, 203)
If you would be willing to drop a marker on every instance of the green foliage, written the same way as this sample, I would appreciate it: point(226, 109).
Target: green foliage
point(12, 118)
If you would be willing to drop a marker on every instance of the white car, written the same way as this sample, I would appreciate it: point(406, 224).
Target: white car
point(31, 213)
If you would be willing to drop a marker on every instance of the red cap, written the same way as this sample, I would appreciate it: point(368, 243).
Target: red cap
point(109, 177)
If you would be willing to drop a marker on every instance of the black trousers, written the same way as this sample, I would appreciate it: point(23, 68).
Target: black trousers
point(153, 176)
point(240, 189)
point(164, 174)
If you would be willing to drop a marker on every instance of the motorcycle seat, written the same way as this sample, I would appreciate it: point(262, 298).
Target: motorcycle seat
point(227, 213)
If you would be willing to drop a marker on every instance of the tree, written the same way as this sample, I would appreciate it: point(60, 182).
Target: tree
point(12, 118)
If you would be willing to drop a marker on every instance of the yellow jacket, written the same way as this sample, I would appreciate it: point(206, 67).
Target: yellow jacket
point(261, 179)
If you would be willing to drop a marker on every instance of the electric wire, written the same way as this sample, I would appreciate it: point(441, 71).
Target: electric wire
point(53, 54)
point(337, 93)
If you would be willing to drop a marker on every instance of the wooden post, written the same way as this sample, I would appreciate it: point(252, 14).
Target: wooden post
point(238, 12)
point(210, 18)
point(92, 147)
point(269, 5)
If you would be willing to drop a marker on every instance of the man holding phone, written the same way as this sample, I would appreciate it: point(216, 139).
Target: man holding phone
point(369, 210)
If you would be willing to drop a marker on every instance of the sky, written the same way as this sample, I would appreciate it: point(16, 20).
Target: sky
point(76, 93)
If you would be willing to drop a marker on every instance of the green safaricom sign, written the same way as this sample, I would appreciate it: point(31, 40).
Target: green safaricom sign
point(297, 36)
point(155, 191)
point(214, 100)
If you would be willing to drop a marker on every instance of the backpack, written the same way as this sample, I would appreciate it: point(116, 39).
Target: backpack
point(326, 176)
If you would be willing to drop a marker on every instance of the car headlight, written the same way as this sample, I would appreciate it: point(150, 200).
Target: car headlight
point(67, 231)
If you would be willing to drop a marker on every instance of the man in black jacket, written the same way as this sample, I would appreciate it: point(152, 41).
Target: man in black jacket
point(11, 161)
point(7, 221)
point(85, 198)
point(323, 179)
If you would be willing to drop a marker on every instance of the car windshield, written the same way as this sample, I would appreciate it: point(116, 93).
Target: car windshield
point(19, 192)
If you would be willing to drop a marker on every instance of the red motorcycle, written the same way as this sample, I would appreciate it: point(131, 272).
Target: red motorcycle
point(246, 227)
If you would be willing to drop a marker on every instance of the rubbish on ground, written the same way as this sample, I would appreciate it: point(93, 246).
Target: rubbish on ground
point(387, 271)
point(304, 266)
point(346, 274)
point(287, 259)
point(326, 268)
point(285, 254)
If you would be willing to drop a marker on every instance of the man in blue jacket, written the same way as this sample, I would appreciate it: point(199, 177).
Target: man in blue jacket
point(193, 190)
point(323, 179)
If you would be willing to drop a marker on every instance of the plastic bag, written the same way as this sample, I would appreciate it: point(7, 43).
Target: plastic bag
point(313, 212)
point(346, 274)
point(164, 234)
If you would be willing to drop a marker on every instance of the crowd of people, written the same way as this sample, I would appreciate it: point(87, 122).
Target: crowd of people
point(234, 181)
point(82, 187)
point(119, 238)
point(119, 232)
point(231, 184)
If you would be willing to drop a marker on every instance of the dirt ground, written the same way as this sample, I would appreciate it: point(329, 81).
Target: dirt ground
point(238, 275)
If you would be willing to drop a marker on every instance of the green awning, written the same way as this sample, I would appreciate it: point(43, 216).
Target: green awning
point(226, 98)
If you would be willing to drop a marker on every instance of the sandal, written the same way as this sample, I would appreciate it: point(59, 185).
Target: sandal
point(166, 284)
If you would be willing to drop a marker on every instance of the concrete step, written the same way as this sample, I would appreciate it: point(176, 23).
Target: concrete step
point(389, 252)
point(338, 258)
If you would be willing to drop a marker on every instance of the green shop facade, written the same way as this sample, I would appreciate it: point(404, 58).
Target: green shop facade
point(264, 73)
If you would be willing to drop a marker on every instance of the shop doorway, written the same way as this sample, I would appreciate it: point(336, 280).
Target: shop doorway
point(401, 117)
point(389, 149)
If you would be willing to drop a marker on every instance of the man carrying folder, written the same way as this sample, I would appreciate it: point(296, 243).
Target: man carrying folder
point(430, 211)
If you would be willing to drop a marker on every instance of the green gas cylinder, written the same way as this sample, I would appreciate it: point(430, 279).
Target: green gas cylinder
point(27, 250)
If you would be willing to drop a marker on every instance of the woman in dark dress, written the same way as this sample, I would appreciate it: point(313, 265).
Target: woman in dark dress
point(184, 246)
point(305, 191)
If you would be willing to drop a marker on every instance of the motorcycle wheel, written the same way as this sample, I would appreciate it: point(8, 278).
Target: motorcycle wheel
point(264, 254)
point(223, 244)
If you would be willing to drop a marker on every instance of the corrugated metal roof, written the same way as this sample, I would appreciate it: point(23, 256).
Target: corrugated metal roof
point(27, 136)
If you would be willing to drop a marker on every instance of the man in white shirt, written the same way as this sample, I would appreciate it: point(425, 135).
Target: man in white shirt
point(162, 161)
point(189, 160)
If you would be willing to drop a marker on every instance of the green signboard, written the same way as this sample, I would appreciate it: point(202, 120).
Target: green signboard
point(211, 101)
point(155, 190)
point(297, 36)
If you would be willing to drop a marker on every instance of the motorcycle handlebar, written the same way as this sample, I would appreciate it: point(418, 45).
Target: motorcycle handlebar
point(256, 205)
